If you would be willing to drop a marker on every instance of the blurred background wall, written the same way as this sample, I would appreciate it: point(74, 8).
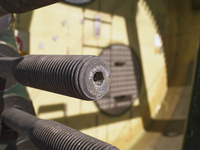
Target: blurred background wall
point(151, 48)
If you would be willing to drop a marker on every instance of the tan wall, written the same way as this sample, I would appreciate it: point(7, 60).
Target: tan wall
point(131, 23)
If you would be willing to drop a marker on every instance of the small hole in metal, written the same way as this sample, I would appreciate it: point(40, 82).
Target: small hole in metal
point(123, 98)
point(119, 64)
point(98, 78)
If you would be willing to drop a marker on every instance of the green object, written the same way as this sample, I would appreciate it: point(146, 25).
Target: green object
point(9, 37)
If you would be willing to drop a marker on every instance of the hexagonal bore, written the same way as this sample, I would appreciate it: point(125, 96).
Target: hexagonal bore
point(98, 78)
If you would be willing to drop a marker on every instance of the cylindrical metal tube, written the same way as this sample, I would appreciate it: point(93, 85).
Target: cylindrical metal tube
point(21, 6)
point(50, 135)
point(84, 77)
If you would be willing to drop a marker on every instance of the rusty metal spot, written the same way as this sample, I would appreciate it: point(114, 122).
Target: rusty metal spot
point(126, 80)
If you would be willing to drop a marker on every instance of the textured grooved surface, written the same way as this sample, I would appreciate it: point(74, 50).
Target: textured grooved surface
point(50, 135)
point(20, 6)
point(126, 79)
point(53, 136)
point(43, 73)
point(70, 75)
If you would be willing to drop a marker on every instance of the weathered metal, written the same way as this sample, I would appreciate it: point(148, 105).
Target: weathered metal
point(84, 77)
point(50, 135)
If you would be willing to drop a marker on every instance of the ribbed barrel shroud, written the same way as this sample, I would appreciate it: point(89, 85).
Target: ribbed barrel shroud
point(50, 135)
point(84, 77)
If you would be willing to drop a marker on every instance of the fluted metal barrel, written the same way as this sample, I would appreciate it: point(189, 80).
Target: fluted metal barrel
point(81, 76)
point(51, 135)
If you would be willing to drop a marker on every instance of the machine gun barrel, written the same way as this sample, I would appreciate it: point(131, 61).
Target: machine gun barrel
point(21, 6)
point(50, 135)
point(81, 76)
